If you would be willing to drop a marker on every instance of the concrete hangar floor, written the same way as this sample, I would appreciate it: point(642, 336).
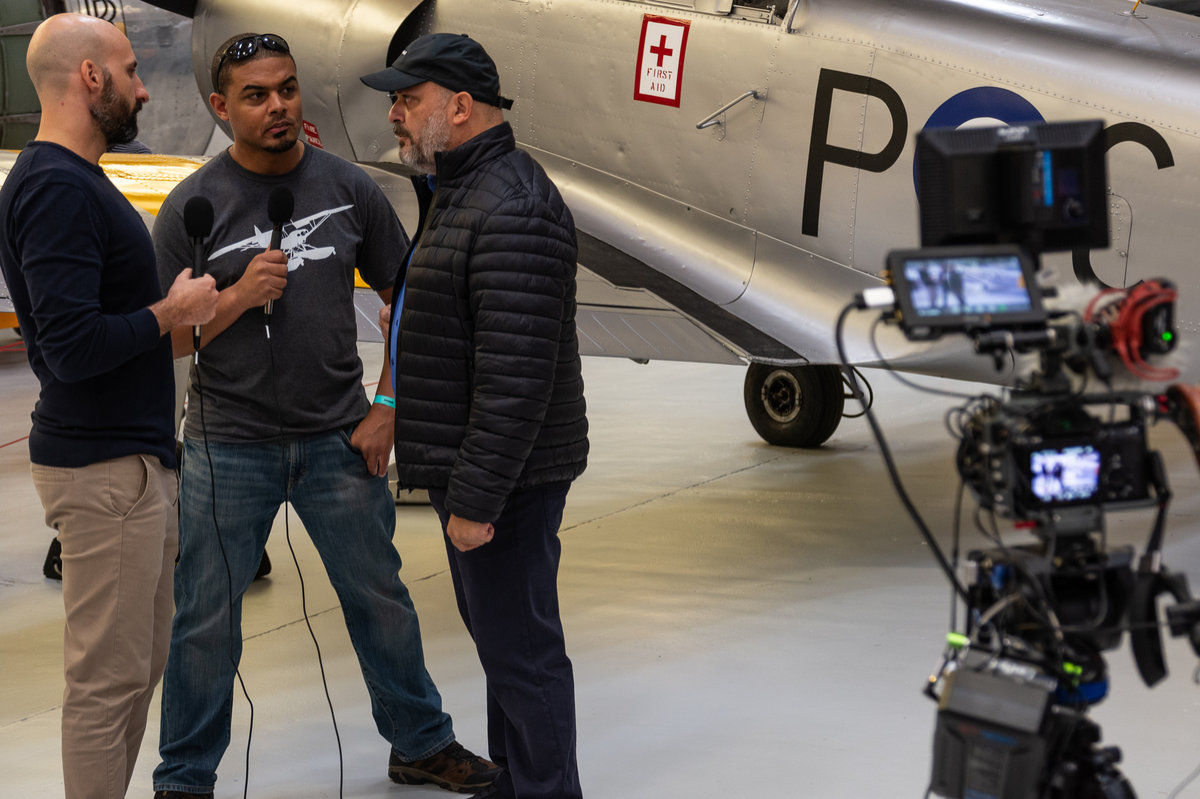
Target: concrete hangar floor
point(744, 620)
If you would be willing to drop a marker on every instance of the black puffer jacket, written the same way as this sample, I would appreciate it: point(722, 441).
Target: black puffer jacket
point(489, 396)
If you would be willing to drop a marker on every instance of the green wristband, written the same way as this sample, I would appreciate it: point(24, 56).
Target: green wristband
point(383, 399)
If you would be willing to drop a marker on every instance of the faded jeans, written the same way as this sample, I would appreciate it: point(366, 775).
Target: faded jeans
point(350, 517)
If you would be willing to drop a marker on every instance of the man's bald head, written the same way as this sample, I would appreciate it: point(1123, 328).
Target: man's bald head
point(85, 74)
point(62, 43)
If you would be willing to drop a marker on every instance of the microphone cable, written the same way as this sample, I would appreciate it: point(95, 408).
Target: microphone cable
point(198, 222)
point(212, 478)
point(287, 534)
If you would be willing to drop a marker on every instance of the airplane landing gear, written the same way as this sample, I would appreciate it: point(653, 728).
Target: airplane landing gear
point(794, 406)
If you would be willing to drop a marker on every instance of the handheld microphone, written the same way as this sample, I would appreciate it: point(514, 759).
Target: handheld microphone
point(198, 222)
point(280, 204)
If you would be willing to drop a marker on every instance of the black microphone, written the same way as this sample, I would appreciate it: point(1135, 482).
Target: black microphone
point(280, 205)
point(198, 222)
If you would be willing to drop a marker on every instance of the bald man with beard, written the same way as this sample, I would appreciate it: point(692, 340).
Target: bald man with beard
point(80, 267)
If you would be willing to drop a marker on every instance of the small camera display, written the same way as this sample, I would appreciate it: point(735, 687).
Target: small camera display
point(960, 289)
point(1066, 475)
point(967, 284)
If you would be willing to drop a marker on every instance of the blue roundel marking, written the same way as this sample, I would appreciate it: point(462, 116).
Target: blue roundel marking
point(982, 102)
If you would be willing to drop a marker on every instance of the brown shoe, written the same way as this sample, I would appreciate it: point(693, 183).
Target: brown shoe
point(454, 768)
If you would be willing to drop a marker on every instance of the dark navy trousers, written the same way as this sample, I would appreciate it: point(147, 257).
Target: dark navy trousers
point(507, 593)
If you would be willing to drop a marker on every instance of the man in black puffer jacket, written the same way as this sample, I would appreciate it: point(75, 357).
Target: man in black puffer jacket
point(489, 397)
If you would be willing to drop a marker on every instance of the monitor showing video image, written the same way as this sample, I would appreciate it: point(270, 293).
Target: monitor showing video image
point(965, 288)
point(967, 285)
point(1070, 474)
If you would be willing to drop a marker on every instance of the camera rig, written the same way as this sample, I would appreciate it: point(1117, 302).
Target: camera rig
point(1015, 684)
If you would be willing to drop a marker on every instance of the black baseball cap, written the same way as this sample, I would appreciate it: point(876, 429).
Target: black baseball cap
point(454, 61)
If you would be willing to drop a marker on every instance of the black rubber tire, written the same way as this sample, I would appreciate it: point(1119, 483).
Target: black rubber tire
point(794, 406)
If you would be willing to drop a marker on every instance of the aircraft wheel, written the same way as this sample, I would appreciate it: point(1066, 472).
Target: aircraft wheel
point(794, 406)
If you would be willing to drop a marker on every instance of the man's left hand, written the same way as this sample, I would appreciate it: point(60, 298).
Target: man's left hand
point(466, 534)
point(373, 438)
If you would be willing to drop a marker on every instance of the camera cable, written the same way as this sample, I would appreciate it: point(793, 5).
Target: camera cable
point(889, 463)
point(870, 392)
point(1188, 780)
point(887, 366)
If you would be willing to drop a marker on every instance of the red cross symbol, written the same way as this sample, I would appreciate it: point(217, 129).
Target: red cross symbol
point(661, 50)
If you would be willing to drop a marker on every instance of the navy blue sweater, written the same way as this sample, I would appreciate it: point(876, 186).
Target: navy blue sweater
point(80, 270)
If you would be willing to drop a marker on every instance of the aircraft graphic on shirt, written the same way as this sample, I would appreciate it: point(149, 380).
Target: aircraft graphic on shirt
point(294, 241)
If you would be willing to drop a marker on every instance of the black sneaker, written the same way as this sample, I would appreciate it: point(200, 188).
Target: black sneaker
point(52, 568)
point(180, 795)
point(455, 768)
point(264, 567)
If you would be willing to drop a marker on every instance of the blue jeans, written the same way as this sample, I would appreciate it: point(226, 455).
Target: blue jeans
point(350, 517)
point(507, 593)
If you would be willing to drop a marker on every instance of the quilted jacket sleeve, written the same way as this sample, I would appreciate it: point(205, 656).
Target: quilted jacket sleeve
point(520, 290)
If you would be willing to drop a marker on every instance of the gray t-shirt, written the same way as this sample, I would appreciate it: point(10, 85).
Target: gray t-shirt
point(307, 378)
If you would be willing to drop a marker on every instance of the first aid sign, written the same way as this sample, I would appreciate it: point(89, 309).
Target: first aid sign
point(660, 60)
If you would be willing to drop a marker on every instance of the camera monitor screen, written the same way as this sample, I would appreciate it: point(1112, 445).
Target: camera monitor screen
point(1040, 185)
point(943, 289)
point(1066, 475)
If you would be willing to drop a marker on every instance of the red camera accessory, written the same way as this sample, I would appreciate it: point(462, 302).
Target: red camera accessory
point(1140, 321)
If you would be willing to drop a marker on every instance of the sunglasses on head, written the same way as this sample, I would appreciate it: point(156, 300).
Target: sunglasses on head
point(247, 46)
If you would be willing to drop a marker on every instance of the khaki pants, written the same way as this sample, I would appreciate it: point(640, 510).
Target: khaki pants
point(119, 527)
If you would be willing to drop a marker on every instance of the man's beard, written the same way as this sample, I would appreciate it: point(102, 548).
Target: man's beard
point(434, 138)
point(282, 145)
point(117, 121)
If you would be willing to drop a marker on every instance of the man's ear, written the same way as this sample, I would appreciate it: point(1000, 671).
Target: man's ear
point(219, 106)
point(92, 74)
point(461, 106)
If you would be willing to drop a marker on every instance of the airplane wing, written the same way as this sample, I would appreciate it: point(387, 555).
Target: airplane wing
point(259, 241)
point(315, 220)
point(626, 309)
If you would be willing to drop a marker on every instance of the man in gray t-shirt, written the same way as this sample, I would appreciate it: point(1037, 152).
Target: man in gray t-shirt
point(278, 414)
point(341, 221)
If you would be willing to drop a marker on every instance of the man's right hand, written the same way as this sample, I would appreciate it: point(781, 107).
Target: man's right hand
point(264, 279)
point(190, 301)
